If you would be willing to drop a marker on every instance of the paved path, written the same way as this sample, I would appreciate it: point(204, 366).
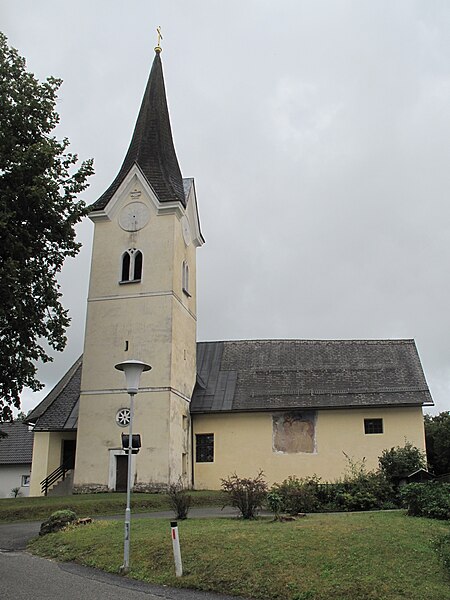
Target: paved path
point(23, 576)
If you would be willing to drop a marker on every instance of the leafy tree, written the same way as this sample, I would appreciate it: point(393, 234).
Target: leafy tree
point(437, 436)
point(401, 461)
point(38, 212)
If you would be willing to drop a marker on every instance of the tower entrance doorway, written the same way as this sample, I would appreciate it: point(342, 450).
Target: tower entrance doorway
point(121, 473)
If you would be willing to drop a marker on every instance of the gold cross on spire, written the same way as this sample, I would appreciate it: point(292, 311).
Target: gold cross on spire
point(158, 48)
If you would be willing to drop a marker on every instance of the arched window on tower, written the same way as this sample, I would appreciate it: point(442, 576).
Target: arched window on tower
point(185, 278)
point(137, 265)
point(131, 267)
point(126, 261)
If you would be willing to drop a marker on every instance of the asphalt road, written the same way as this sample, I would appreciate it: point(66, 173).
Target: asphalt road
point(26, 577)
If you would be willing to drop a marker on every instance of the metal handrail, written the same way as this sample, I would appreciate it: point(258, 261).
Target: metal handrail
point(57, 474)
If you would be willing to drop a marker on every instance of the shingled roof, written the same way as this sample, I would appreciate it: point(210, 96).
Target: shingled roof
point(152, 148)
point(17, 447)
point(58, 411)
point(267, 375)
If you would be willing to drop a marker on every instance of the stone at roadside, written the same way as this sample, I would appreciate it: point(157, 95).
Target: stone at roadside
point(57, 521)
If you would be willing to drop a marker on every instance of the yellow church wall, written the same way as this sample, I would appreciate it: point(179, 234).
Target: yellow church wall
point(183, 252)
point(146, 323)
point(158, 321)
point(184, 323)
point(179, 446)
point(155, 416)
point(110, 241)
point(183, 351)
point(47, 456)
point(243, 443)
point(143, 313)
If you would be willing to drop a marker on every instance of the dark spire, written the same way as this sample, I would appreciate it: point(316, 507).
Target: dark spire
point(151, 147)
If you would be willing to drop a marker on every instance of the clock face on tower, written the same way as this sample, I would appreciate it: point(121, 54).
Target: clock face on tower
point(134, 216)
point(186, 230)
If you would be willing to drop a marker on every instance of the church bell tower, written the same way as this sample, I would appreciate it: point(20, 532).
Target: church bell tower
point(141, 305)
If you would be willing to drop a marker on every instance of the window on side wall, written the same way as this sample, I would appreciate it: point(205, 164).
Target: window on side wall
point(373, 425)
point(25, 480)
point(185, 278)
point(204, 447)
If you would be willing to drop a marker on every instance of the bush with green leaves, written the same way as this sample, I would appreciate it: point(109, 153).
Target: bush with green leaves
point(275, 502)
point(247, 494)
point(361, 489)
point(401, 461)
point(295, 495)
point(179, 499)
point(430, 499)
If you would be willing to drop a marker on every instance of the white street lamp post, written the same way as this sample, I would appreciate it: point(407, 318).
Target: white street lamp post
point(132, 370)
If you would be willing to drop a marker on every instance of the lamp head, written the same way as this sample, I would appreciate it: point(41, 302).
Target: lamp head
point(132, 370)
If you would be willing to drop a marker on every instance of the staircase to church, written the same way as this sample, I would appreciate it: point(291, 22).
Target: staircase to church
point(59, 482)
point(63, 487)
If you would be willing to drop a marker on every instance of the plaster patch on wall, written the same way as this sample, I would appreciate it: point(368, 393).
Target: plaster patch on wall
point(294, 432)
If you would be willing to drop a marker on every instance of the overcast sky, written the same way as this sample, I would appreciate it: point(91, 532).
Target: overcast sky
point(318, 133)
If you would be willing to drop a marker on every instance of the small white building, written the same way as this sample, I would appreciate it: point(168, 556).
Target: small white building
point(16, 450)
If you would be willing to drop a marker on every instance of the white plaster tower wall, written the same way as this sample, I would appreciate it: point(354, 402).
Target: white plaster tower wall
point(151, 318)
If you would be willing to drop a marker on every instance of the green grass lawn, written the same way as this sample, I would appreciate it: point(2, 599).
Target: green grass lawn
point(347, 556)
point(88, 505)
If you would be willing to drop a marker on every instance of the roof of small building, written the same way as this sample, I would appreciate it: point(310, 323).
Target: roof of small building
point(58, 411)
point(273, 375)
point(267, 375)
point(152, 147)
point(420, 475)
point(17, 447)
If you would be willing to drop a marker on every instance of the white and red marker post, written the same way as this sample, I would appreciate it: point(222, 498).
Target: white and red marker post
point(176, 549)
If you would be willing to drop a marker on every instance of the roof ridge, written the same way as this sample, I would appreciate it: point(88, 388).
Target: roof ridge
point(334, 392)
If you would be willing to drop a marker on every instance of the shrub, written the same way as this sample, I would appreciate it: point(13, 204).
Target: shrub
point(57, 520)
point(296, 495)
point(401, 461)
point(358, 490)
point(245, 494)
point(179, 499)
point(431, 499)
point(15, 492)
point(275, 502)
point(363, 490)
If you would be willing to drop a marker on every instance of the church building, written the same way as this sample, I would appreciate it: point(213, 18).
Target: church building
point(206, 409)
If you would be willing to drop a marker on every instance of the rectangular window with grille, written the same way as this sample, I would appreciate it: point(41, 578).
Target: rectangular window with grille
point(373, 425)
point(204, 447)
